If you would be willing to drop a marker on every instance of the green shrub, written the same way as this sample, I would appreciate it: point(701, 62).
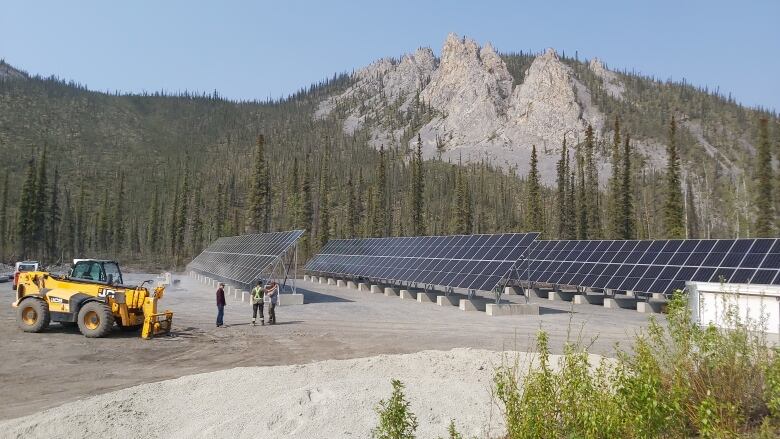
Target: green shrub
point(678, 380)
point(396, 421)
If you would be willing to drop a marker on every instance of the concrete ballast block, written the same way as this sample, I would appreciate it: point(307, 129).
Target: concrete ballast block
point(471, 305)
point(352, 285)
point(306, 278)
point(377, 289)
point(447, 301)
point(426, 297)
point(408, 294)
point(331, 281)
point(341, 283)
point(362, 286)
point(566, 296)
point(512, 291)
point(323, 280)
point(511, 309)
point(391, 291)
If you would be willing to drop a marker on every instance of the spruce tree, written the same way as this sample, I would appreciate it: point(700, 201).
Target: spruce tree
point(53, 217)
point(627, 228)
point(81, 223)
point(219, 213)
point(380, 196)
point(674, 222)
point(196, 237)
point(534, 212)
point(323, 226)
point(183, 215)
point(350, 223)
point(4, 219)
point(615, 213)
point(67, 231)
point(103, 226)
point(294, 199)
point(765, 213)
point(40, 205)
point(418, 182)
point(562, 179)
point(118, 219)
point(259, 190)
point(592, 189)
point(25, 223)
point(173, 226)
point(571, 206)
point(582, 205)
point(153, 225)
point(306, 216)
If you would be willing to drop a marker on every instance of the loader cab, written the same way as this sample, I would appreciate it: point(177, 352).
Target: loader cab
point(93, 270)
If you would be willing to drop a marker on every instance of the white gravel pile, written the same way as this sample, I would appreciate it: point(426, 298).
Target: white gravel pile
point(326, 399)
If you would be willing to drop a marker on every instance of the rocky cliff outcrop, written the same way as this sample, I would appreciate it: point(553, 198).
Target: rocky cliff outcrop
point(8, 72)
point(478, 113)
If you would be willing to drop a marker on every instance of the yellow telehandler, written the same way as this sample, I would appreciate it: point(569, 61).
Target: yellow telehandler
point(93, 297)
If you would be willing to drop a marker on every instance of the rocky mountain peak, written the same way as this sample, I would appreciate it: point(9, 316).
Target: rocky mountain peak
point(612, 82)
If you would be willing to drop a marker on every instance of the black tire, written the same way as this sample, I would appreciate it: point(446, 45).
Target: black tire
point(33, 315)
point(95, 320)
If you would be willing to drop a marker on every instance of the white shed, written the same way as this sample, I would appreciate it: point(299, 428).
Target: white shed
point(710, 303)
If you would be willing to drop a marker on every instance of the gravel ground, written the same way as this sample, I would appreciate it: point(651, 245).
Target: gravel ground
point(42, 371)
point(326, 399)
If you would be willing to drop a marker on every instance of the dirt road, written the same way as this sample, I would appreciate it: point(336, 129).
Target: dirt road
point(39, 371)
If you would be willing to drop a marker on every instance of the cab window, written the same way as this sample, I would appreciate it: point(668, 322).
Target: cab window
point(88, 271)
point(113, 273)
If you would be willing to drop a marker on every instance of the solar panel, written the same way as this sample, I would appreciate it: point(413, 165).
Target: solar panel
point(245, 258)
point(476, 262)
point(652, 266)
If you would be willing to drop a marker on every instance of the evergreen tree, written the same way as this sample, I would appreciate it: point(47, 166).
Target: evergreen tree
point(627, 229)
point(418, 182)
point(153, 225)
point(323, 227)
point(173, 226)
point(103, 227)
point(765, 213)
point(118, 220)
point(463, 213)
point(350, 224)
point(41, 205)
point(306, 216)
point(534, 212)
point(380, 196)
point(219, 213)
point(571, 206)
point(294, 200)
point(81, 224)
point(135, 243)
point(26, 226)
point(674, 226)
point(582, 205)
point(259, 191)
point(615, 213)
point(183, 215)
point(4, 219)
point(67, 231)
point(54, 217)
point(562, 179)
point(592, 190)
point(196, 239)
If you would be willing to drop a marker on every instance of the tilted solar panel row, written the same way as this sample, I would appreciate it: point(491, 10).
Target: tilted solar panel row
point(653, 265)
point(242, 259)
point(477, 262)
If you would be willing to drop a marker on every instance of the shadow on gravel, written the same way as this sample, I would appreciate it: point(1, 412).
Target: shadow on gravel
point(314, 297)
point(544, 311)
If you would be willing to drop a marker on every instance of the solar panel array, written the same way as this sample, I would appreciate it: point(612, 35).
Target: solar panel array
point(653, 266)
point(242, 259)
point(476, 262)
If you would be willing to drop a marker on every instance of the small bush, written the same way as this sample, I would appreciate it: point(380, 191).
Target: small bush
point(678, 380)
point(396, 421)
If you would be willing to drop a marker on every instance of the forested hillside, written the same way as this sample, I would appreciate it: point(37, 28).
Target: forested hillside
point(150, 179)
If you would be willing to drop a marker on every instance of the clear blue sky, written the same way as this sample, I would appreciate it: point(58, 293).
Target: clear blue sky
point(249, 50)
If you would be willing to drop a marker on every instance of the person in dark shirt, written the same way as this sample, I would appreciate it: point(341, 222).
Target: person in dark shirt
point(220, 304)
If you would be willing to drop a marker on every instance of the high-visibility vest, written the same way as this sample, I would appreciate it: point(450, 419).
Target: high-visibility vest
point(257, 292)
